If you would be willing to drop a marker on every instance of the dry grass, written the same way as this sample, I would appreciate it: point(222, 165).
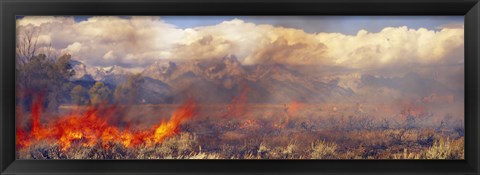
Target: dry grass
point(187, 146)
point(315, 134)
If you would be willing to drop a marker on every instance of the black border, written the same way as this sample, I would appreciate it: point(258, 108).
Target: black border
point(469, 8)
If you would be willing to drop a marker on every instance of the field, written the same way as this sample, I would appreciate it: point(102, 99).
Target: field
point(267, 131)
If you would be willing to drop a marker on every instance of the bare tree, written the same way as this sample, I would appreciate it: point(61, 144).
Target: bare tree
point(26, 46)
point(50, 52)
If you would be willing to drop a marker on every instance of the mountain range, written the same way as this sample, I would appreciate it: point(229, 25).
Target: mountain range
point(221, 80)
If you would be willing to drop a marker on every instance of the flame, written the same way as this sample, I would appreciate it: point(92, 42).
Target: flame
point(250, 124)
point(293, 107)
point(166, 129)
point(92, 127)
point(413, 110)
point(238, 106)
point(37, 130)
point(290, 110)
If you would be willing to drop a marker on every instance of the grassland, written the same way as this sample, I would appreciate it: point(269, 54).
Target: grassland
point(326, 131)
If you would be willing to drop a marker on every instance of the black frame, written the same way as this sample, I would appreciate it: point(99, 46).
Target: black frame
point(469, 8)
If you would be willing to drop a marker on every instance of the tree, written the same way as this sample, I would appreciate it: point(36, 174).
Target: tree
point(127, 92)
point(42, 75)
point(120, 94)
point(62, 71)
point(99, 93)
point(79, 95)
point(26, 47)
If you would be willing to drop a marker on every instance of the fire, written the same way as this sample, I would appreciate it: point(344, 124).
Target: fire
point(293, 107)
point(37, 130)
point(238, 106)
point(92, 127)
point(413, 110)
point(166, 129)
point(250, 124)
point(290, 110)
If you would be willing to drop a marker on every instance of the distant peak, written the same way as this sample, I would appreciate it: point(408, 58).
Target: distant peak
point(171, 63)
point(75, 62)
point(230, 58)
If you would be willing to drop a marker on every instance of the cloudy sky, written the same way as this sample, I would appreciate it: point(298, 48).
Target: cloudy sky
point(365, 42)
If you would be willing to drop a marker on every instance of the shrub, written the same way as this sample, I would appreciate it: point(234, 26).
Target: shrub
point(201, 155)
point(446, 149)
point(406, 155)
point(324, 150)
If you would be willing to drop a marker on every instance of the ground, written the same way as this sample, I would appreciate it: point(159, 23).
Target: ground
point(275, 131)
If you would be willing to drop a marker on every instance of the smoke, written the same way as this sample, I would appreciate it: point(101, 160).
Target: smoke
point(140, 41)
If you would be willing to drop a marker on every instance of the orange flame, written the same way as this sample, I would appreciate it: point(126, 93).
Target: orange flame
point(413, 110)
point(92, 127)
point(238, 106)
point(290, 110)
point(250, 124)
point(293, 107)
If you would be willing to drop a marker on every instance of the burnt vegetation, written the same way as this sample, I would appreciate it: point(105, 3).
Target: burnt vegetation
point(305, 135)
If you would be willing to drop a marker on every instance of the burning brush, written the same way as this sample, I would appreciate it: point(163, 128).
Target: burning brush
point(92, 127)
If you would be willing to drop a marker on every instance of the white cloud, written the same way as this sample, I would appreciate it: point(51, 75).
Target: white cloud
point(40, 20)
point(109, 55)
point(140, 41)
point(73, 48)
point(394, 46)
